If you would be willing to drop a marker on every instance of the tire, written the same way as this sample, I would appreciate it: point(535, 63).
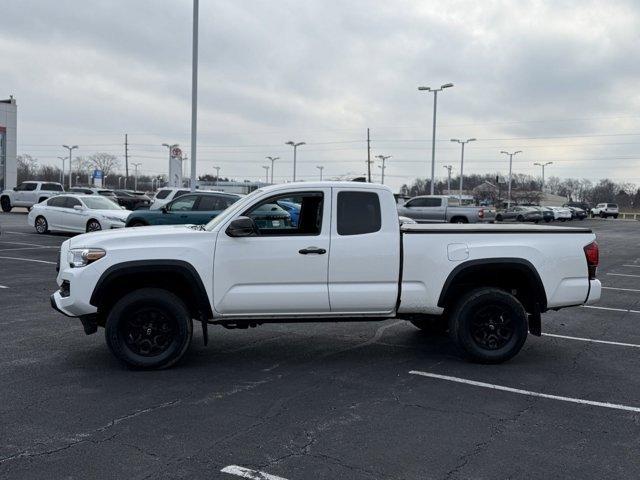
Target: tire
point(149, 329)
point(459, 220)
point(432, 325)
point(93, 226)
point(473, 328)
point(603, 215)
point(547, 220)
point(536, 221)
point(6, 204)
point(138, 223)
point(498, 218)
point(520, 218)
point(41, 225)
point(615, 216)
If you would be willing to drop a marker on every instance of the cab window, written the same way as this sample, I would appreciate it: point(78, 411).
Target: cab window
point(52, 187)
point(290, 214)
point(359, 213)
point(27, 187)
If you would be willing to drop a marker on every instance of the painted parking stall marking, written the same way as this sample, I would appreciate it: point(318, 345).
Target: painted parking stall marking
point(623, 275)
point(591, 340)
point(248, 473)
point(611, 309)
point(530, 393)
point(621, 289)
point(28, 260)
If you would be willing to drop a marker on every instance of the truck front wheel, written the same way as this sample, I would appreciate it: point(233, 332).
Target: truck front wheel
point(488, 325)
point(149, 329)
point(6, 204)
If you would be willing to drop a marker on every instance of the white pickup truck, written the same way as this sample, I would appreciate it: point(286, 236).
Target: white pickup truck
point(27, 194)
point(341, 257)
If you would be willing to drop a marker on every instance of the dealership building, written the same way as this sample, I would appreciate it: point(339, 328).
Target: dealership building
point(8, 143)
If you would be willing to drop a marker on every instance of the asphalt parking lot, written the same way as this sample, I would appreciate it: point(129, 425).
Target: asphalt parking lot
point(312, 401)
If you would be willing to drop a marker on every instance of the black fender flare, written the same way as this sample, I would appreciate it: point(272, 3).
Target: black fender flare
point(183, 271)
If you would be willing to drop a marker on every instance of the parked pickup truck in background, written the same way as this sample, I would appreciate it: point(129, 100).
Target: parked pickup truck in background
point(443, 209)
point(27, 194)
point(346, 258)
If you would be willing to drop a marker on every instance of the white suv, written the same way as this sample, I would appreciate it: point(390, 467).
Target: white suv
point(604, 210)
point(27, 194)
point(165, 195)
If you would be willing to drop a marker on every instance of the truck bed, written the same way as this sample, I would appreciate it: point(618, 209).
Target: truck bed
point(454, 228)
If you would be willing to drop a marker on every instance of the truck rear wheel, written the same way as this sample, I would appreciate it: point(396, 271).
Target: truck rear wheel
point(149, 328)
point(6, 204)
point(488, 325)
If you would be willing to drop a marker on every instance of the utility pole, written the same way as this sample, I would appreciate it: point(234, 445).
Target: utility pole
point(320, 167)
point(462, 142)
point(217, 169)
point(383, 158)
point(136, 165)
point(194, 95)
point(266, 169)
point(433, 134)
point(295, 150)
point(273, 160)
point(70, 150)
point(543, 165)
point(126, 159)
point(368, 157)
point(510, 169)
point(64, 159)
point(448, 167)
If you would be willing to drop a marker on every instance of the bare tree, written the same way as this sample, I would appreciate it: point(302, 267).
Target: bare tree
point(27, 167)
point(104, 161)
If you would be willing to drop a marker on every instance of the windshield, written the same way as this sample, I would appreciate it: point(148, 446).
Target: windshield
point(240, 204)
point(100, 203)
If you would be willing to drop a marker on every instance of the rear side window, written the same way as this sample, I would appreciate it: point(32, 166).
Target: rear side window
point(213, 202)
point(612, 205)
point(163, 194)
point(358, 213)
point(52, 187)
point(72, 202)
point(179, 193)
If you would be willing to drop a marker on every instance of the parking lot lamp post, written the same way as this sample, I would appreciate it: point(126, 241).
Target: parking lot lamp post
point(266, 169)
point(273, 161)
point(462, 142)
point(510, 169)
point(383, 167)
point(64, 159)
point(295, 151)
point(433, 135)
point(136, 165)
point(320, 167)
point(448, 167)
point(70, 150)
point(543, 165)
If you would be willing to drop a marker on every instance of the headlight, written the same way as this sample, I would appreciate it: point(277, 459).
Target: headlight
point(81, 257)
point(114, 219)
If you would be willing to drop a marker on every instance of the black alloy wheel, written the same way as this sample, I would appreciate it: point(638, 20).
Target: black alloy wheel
point(491, 327)
point(41, 225)
point(147, 331)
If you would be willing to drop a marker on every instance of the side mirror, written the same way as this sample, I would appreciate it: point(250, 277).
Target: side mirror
point(78, 207)
point(242, 227)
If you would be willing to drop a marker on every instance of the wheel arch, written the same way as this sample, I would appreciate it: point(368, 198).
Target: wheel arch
point(507, 273)
point(176, 276)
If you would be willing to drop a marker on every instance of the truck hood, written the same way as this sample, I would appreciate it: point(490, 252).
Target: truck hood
point(97, 239)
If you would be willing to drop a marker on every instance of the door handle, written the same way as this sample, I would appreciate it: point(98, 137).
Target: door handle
point(316, 250)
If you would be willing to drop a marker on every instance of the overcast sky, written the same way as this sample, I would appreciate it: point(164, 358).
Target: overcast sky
point(558, 79)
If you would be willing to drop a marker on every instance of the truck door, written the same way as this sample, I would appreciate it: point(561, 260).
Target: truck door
point(365, 251)
point(283, 269)
point(436, 209)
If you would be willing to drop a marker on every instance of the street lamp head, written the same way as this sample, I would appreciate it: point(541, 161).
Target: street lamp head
point(455, 140)
point(447, 85)
point(472, 140)
point(517, 151)
point(506, 153)
point(300, 143)
point(290, 143)
point(426, 89)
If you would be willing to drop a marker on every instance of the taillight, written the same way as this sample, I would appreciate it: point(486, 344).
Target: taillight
point(592, 253)
point(481, 213)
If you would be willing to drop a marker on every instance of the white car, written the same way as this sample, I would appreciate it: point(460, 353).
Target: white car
point(344, 258)
point(605, 210)
point(165, 195)
point(561, 213)
point(77, 213)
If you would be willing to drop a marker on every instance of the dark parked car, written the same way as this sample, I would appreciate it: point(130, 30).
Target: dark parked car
point(583, 205)
point(577, 213)
point(547, 213)
point(94, 191)
point(132, 200)
point(519, 214)
point(197, 208)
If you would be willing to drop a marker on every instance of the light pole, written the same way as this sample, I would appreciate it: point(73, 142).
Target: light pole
point(217, 169)
point(273, 161)
point(70, 150)
point(64, 159)
point(295, 150)
point(320, 167)
point(266, 169)
point(433, 138)
point(462, 142)
point(510, 165)
point(543, 165)
point(194, 94)
point(136, 165)
point(383, 159)
point(448, 167)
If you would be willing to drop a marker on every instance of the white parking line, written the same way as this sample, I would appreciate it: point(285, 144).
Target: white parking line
point(25, 248)
point(623, 275)
point(621, 289)
point(634, 266)
point(519, 391)
point(248, 473)
point(22, 243)
point(591, 340)
point(610, 309)
point(2, 286)
point(28, 260)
